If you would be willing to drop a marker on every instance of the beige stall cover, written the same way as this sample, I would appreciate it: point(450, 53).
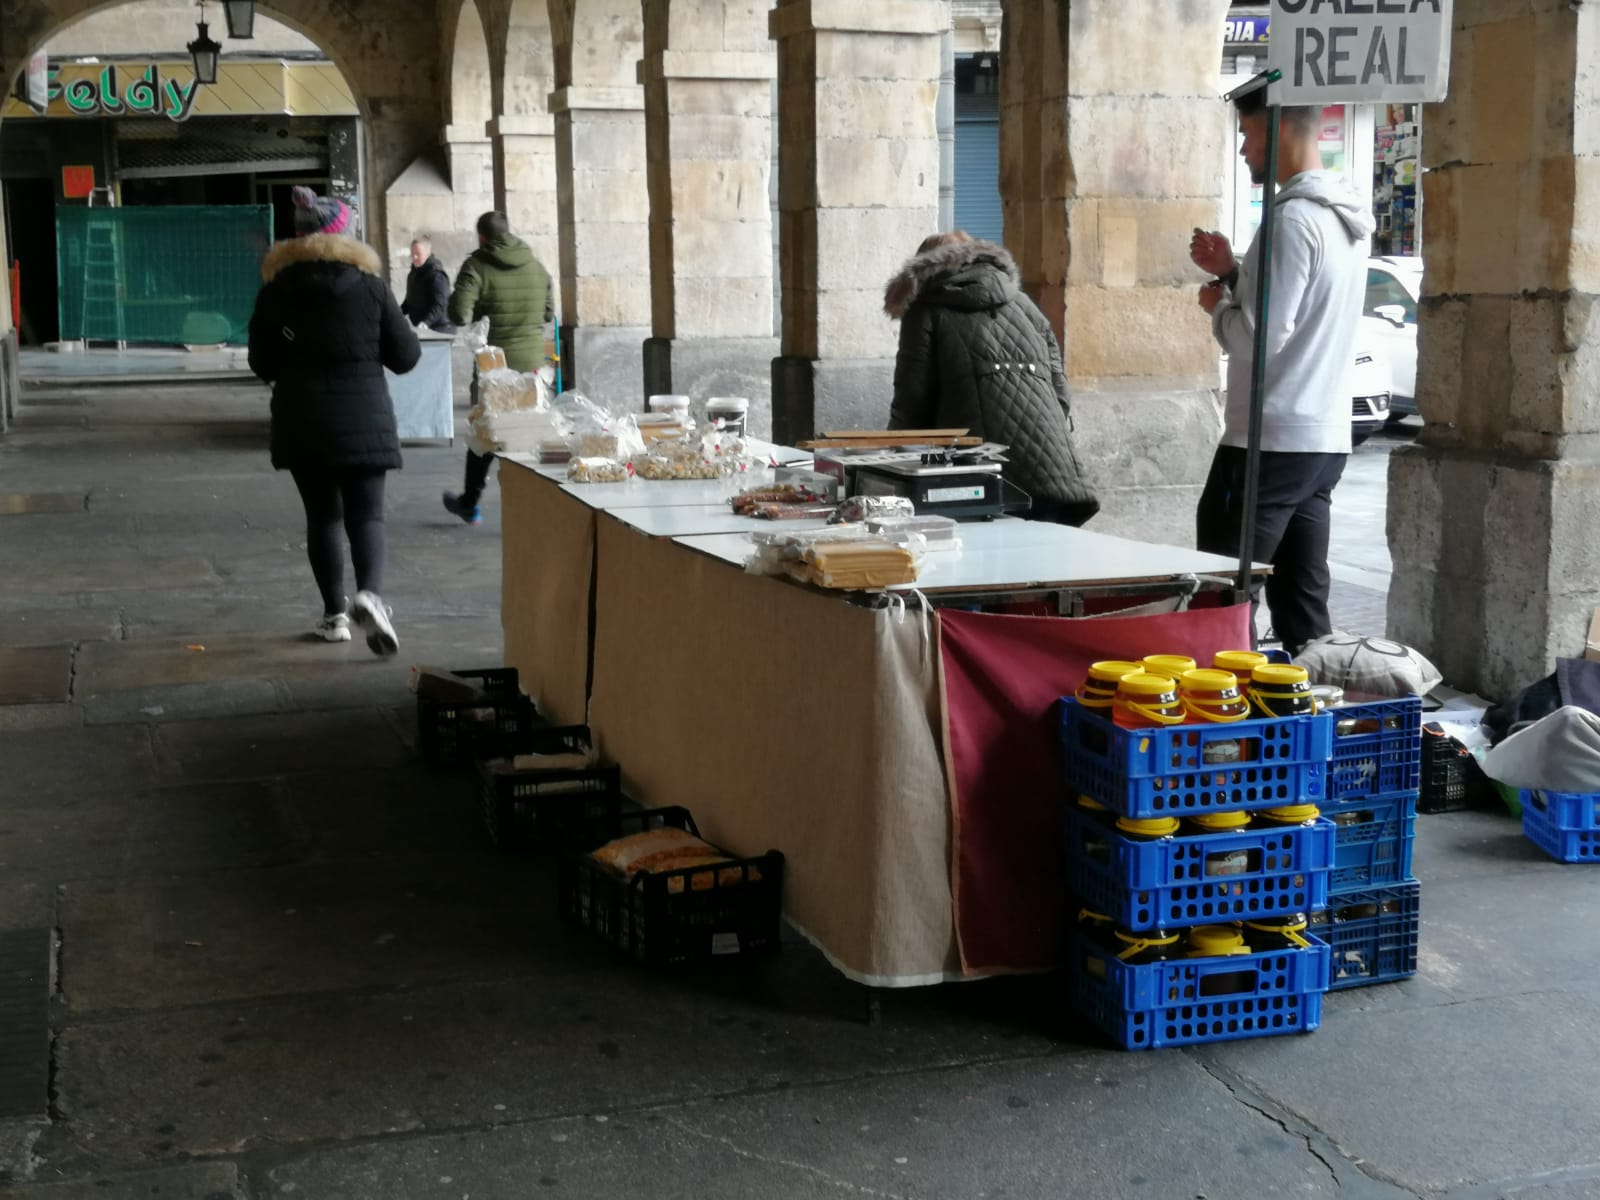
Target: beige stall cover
point(548, 566)
point(789, 720)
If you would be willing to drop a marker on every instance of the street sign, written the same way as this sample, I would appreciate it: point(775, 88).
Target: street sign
point(1361, 51)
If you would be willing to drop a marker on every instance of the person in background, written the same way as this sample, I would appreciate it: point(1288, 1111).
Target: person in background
point(977, 354)
point(501, 280)
point(1318, 281)
point(325, 326)
point(427, 299)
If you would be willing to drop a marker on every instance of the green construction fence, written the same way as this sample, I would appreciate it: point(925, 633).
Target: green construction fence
point(178, 274)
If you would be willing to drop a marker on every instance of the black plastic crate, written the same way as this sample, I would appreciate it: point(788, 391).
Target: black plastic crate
point(1451, 777)
point(665, 918)
point(538, 804)
point(448, 729)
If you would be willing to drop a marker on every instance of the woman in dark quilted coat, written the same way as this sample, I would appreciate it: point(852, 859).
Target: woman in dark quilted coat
point(324, 328)
point(976, 353)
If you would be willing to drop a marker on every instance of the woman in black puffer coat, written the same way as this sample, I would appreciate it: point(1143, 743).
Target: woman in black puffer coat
point(324, 328)
point(977, 354)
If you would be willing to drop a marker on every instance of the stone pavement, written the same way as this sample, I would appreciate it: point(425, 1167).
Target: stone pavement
point(286, 963)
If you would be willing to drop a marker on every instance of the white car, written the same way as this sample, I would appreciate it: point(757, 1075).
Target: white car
point(1389, 324)
point(1370, 388)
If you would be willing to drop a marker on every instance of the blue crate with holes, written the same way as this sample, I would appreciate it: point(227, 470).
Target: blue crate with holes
point(1377, 748)
point(1376, 839)
point(1195, 1001)
point(1183, 769)
point(1198, 879)
point(1373, 933)
point(1565, 825)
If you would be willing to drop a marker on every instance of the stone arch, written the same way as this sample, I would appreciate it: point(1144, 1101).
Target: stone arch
point(470, 99)
point(393, 67)
point(597, 42)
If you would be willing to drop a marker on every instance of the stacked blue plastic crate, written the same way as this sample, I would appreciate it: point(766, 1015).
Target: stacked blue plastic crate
point(1165, 887)
point(1565, 825)
point(1372, 921)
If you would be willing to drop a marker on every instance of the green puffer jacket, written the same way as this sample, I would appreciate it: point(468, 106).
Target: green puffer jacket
point(976, 353)
point(506, 283)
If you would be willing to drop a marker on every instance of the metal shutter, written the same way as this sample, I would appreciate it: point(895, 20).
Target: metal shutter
point(978, 166)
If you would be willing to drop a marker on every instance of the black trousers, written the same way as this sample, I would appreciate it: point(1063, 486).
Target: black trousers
point(348, 503)
point(477, 476)
point(1293, 520)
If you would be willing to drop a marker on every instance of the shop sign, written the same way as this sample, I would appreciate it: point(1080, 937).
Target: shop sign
point(112, 94)
point(1361, 51)
point(1246, 31)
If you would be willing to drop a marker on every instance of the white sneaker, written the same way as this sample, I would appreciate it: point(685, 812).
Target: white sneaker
point(372, 615)
point(334, 628)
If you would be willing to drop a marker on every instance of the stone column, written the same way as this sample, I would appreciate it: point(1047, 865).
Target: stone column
point(858, 88)
point(604, 238)
point(525, 181)
point(1111, 149)
point(707, 76)
point(1492, 511)
point(470, 157)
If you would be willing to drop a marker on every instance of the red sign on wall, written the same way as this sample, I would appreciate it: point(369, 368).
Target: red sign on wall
point(77, 182)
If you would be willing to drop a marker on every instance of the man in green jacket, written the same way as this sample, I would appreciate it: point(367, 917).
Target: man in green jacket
point(501, 280)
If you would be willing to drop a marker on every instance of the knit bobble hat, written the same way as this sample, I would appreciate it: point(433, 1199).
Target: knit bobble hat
point(319, 214)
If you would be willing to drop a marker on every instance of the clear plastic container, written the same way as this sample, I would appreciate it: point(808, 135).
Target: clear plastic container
point(940, 531)
point(731, 414)
point(676, 406)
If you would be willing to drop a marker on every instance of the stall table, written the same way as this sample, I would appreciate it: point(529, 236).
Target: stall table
point(424, 397)
point(781, 716)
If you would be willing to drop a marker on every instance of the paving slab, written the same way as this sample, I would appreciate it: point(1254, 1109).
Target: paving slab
point(234, 1078)
point(72, 759)
point(185, 702)
point(35, 674)
point(287, 744)
point(157, 832)
point(1044, 1128)
point(196, 1181)
point(1424, 1096)
point(240, 934)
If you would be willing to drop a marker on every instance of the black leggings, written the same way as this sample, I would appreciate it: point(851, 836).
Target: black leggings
point(352, 498)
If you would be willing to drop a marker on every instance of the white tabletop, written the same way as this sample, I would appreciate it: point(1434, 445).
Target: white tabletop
point(1016, 555)
point(683, 520)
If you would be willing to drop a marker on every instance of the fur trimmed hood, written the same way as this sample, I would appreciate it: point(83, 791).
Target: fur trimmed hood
point(321, 247)
point(966, 275)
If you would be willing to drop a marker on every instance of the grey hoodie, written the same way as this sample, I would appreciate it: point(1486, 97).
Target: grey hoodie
point(1319, 276)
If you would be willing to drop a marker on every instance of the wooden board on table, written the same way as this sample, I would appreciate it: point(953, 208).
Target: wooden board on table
point(888, 439)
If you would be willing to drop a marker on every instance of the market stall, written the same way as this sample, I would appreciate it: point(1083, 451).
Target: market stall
point(424, 398)
point(783, 716)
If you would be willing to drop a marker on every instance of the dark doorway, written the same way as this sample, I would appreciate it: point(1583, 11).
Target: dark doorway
point(30, 216)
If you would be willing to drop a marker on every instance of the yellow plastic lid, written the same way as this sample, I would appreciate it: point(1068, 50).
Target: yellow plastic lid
point(1210, 941)
point(1294, 924)
point(1112, 670)
point(1090, 803)
point(1173, 665)
point(1240, 662)
point(1207, 680)
point(1281, 675)
point(1155, 937)
point(1154, 827)
point(1088, 914)
point(1220, 821)
point(1293, 812)
point(1143, 683)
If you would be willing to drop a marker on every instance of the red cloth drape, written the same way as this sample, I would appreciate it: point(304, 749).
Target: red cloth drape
point(1001, 678)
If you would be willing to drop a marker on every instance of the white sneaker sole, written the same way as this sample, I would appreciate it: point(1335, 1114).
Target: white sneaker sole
point(337, 633)
point(369, 615)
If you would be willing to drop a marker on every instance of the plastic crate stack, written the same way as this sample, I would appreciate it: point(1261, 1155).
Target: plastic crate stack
point(1565, 825)
point(1151, 907)
point(1373, 915)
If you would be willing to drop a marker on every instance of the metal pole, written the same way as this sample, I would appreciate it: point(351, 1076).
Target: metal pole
point(1258, 371)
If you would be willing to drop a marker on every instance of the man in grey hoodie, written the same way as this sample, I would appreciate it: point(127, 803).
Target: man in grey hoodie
point(1318, 279)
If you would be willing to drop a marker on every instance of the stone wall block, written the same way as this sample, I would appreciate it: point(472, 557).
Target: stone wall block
point(610, 300)
point(1106, 35)
point(1540, 360)
point(1583, 243)
point(877, 172)
point(1416, 504)
point(851, 323)
point(1487, 374)
point(1501, 87)
point(1140, 331)
point(605, 140)
point(721, 190)
point(1146, 146)
point(610, 196)
point(868, 244)
point(1441, 339)
point(611, 247)
point(1487, 198)
point(880, 56)
point(876, 108)
point(721, 249)
point(726, 307)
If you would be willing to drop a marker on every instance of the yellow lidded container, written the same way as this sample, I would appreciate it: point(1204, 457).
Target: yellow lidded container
point(1240, 662)
point(1099, 687)
point(1282, 690)
point(1213, 695)
point(1145, 701)
point(1171, 665)
point(1216, 941)
point(1154, 827)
